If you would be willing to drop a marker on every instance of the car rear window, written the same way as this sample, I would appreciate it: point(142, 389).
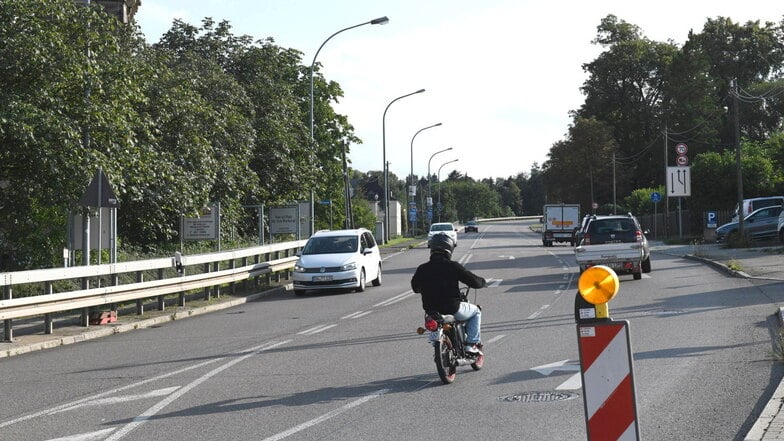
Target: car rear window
point(612, 230)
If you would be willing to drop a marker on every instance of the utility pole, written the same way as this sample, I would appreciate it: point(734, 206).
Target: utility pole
point(737, 155)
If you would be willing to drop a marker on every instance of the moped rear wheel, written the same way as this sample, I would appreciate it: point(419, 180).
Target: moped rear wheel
point(444, 355)
point(480, 361)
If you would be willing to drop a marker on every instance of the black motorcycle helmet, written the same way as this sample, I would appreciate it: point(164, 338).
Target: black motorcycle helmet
point(441, 243)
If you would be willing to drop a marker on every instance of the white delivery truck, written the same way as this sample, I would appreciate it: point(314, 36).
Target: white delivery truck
point(560, 223)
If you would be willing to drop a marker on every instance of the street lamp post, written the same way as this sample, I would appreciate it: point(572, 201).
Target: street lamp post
point(379, 21)
point(412, 225)
point(439, 186)
point(429, 195)
point(384, 163)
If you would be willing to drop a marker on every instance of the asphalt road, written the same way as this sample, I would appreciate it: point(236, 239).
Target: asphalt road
point(350, 366)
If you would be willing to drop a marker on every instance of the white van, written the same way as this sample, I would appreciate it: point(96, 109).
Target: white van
point(750, 205)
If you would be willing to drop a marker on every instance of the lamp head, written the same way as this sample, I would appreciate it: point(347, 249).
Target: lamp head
point(380, 21)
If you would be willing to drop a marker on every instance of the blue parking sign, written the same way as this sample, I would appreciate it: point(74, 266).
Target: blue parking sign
point(712, 219)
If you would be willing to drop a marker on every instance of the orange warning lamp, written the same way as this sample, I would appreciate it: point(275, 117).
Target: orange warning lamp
point(598, 285)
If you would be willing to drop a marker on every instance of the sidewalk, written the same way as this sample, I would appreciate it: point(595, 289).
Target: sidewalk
point(764, 262)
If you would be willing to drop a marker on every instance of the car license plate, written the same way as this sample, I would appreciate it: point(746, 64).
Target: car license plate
point(322, 278)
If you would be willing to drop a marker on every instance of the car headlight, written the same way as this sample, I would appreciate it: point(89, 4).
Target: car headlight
point(348, 266)
point(299, 268)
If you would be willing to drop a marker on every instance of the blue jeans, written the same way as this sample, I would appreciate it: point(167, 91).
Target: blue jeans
point(472, 315)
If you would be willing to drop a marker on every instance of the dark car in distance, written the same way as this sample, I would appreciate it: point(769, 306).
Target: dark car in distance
point(472, 226)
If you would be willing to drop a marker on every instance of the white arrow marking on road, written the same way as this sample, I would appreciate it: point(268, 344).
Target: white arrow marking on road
point(506, 257)
point(563, 366)
point(116, 400)
point(493, 283)
point(573, 383)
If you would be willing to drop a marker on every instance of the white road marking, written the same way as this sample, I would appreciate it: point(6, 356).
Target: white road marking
point(495, 339)
point(109, 392)
point(357, 314)
point(539, 312)
point(575, 382)
point(494, 283)
point(92, 436)
point(326, 416)
point(558, 366)
point(395, 299)
point(118, 400)
point(152, 411)
point(316, 330)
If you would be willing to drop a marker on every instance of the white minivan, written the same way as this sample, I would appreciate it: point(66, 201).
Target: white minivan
point(749, 205)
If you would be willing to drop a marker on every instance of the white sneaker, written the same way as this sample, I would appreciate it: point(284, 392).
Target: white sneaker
point(472, 350)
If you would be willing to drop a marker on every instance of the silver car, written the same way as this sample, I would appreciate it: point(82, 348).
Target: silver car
point(761, 224)
point(447, 228)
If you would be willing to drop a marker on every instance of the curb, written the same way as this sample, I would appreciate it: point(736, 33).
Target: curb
point(720, 266)
point(141, 324)
point(766, 420)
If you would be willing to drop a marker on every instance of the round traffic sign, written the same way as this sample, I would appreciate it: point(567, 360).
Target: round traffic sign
point(655, 196)
point(598, 284)
point(681, 148)
point(682, 161)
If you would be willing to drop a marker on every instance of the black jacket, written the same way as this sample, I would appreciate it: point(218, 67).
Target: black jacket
point(437, 281)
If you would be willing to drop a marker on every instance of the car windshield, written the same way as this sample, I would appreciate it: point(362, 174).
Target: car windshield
point(331, 245)
point(442, 227)
point(611, 226)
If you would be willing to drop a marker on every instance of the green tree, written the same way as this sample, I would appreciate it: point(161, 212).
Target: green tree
point(639, 201)
point(624, 90)
point(579, 169)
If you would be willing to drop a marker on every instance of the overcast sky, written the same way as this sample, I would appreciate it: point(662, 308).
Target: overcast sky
point(500, 75)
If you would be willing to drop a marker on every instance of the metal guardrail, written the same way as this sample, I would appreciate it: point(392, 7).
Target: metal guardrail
point(267, 260)
point(511, 218)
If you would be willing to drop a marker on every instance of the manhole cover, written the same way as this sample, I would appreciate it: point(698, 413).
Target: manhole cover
point(539, 397)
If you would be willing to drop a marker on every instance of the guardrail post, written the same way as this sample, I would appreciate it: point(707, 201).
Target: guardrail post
point(8, 331)
point(233, 265)
point(277, 273)
point(216, 268)
point(84, 319)
point(287, 273)
point(161, 299)
point(48, 324)
point(139, 302)
point(206, 288)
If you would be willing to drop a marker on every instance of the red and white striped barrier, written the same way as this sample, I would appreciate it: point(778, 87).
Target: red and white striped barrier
point(608, 380)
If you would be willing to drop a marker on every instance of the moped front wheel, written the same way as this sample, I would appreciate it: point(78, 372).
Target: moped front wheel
point(444, 355)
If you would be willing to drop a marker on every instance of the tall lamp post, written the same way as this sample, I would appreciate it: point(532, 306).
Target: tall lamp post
point(429, 195)
point(439, 186)
point(385, 170)
point(379, 21)
point(412, 225)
